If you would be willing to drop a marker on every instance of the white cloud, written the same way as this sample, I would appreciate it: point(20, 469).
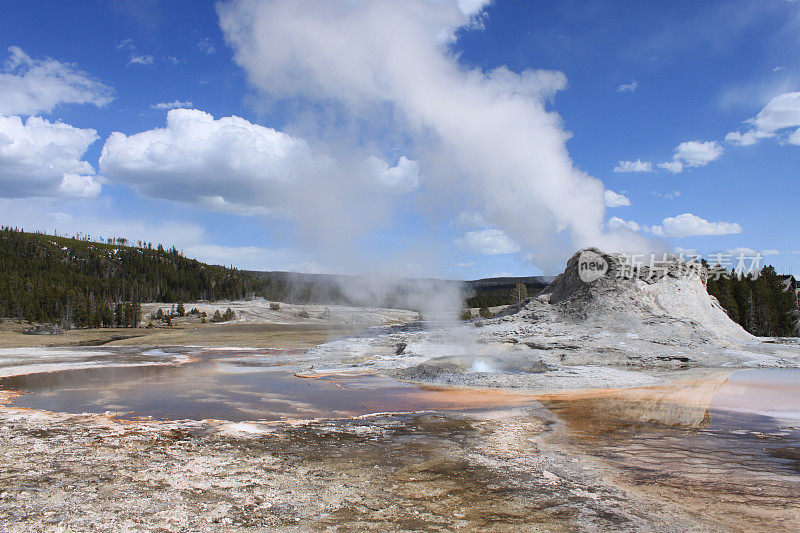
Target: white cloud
point(675, 167)
point(254, 258)
point(692, 154)
point(234, 163)
point(79, 186)
point(140, 59)
point(617, 223)
point(234, 166)
point(221, 205)
point(488, 134)
point(470, 219)
point(780, 114)
point(740, 251)
point(30, 86)
point(488, 242)
point(689, 225)
point(206, 46)
point(175, 104)
point(634, 166)
point(614, 199)
point(136, 58)
point(42, 158)
point(94, 219)
point(89, 218)
point(629, 87)
point(687, 252)
point(750, 252)
point(403, 177)
point(698, 153)
point(471, 8)
point(685, 225)
point(505, 274)
point(197, 157)
point(747, 138)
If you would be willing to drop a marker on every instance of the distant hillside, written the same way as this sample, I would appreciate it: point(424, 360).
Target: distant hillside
point(489, 292)
point(385, 291)
point(77, 282)
point(81, 283)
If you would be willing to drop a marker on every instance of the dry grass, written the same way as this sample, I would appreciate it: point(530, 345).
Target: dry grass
point(187, 333)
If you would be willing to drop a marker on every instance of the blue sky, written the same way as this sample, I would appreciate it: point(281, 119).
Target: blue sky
point(381, 136)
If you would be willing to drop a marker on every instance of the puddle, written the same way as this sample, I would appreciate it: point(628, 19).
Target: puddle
point(232, 387)
point(726, 447)
point(749, 420)
point(770, 392)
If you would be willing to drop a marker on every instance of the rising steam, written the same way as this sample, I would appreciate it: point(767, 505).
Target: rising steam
point(486, 139)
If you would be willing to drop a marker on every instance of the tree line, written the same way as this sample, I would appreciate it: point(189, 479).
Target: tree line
point(502, 295)
point(764, 305)
point(76, 282)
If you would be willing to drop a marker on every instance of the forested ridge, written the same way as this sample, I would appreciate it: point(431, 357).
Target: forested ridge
point(78, 282)
point(765, 305)
point(483, 295)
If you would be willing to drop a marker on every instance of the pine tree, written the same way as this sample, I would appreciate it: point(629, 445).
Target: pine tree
point(119, 315)
point(519, 292)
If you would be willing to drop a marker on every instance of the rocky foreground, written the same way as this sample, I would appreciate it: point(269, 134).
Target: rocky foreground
point(379, 473)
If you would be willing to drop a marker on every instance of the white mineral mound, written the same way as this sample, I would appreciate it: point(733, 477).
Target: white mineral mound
point(595, 325)
point(668, 303)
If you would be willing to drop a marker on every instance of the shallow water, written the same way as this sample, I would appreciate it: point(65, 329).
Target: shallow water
point(231, 386)
point(241, 385)
point(751, 417)
point(725, 447)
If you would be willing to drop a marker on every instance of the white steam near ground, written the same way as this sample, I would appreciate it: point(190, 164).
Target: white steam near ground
point(436, 300)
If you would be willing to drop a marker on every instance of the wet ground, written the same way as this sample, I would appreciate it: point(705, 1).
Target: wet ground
point(230, 385)
point(727, 448)
point(421, 472)
point(720, 451)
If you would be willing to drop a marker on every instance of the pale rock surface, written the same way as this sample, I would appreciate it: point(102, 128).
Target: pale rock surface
point(611, 332)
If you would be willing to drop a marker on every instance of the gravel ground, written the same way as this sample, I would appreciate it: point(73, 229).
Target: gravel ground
point(399, 472)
